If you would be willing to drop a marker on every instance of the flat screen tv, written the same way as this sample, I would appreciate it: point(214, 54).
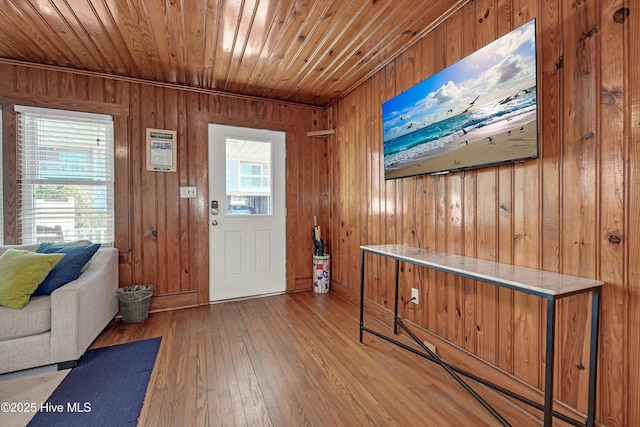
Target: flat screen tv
point(480, 111)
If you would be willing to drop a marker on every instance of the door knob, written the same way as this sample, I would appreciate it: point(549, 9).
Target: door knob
point(214, 222)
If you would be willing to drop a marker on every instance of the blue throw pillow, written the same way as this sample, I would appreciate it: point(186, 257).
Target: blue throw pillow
point(68, 269)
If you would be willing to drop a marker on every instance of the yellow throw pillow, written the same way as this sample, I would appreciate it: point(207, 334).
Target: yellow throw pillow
point(20, 274)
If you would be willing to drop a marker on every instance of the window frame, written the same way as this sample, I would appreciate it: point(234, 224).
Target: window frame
point(32, 156)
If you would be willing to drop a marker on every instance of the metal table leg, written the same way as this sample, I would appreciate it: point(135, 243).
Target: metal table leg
point(361, 293)
point(593, 356)
point(548, 382)
point(395, 307)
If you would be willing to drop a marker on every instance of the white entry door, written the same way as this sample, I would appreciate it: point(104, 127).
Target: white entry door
point(247, 220)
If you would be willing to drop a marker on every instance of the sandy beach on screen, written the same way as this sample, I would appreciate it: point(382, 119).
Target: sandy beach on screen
point(477, 148)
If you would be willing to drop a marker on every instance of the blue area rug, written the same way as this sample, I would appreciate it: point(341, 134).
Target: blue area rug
point(107, 388)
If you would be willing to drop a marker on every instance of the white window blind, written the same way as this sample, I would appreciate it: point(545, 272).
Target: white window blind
point(65, 160)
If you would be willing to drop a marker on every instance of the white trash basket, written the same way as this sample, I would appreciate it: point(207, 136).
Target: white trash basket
point(321, 273)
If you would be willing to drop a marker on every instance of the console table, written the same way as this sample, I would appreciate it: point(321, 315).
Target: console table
point(544, 284)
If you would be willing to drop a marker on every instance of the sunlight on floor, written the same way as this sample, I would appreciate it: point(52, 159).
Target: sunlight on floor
point(25, 390)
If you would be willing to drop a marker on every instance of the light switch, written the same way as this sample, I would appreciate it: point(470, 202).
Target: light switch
point(188, 192)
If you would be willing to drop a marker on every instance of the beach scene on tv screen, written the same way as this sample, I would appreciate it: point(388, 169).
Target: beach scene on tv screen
point(477, 112)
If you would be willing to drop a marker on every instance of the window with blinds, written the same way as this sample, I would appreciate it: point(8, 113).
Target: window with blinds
point(65, 162)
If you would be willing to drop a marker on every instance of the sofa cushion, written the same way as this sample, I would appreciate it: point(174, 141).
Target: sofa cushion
point(22, 272)
point(68, 269)
point(30, 248)
point(34, 247)
point(34, 318)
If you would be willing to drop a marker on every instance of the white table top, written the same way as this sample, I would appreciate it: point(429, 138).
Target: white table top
point(524, 279)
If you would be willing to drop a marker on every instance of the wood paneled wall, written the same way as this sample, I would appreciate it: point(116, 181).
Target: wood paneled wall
point(574, 210)
point(163, 240)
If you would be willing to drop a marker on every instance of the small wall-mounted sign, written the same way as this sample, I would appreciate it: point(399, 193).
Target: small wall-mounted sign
point(162, 149)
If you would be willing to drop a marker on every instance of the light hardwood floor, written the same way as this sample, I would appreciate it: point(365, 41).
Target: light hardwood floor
point(33, 386)
point(293, 360)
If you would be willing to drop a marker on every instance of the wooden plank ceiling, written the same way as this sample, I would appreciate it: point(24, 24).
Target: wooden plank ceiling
point(309, 52)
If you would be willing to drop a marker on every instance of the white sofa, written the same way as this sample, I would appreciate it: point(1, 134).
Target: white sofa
point(58, 329)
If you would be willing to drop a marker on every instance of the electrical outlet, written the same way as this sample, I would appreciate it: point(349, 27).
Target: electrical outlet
point(414, 296)
point(188, 192)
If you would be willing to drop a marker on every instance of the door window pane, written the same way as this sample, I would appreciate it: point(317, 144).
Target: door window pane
point(248, 177)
